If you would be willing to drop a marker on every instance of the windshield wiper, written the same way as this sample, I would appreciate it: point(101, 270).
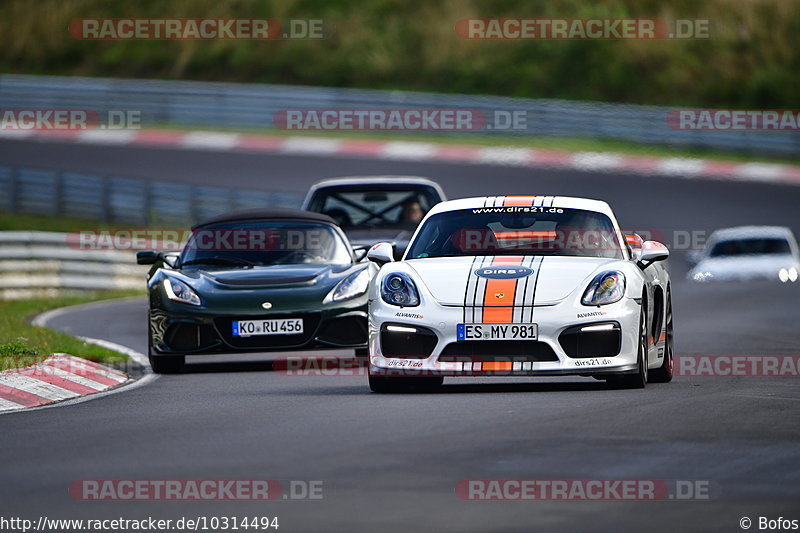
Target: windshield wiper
point(219, 261)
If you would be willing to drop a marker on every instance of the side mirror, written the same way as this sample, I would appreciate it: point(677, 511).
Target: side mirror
point(635, 242)
point(381, 253)
point(151, 257)
point(652, 251)
point(147, 257)
point(360, 252)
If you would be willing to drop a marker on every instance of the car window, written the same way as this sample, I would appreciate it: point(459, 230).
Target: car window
point(734, 247)
point(374, 206)
point(266, 243)
point(506, 231)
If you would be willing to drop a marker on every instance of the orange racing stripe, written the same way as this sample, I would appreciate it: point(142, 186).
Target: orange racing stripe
point(518, 200)
point(497, 365)
point(498, 300)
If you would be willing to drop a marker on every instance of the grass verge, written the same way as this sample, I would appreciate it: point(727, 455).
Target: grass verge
point(22, 344)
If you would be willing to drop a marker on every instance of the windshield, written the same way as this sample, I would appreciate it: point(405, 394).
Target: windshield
point(265, 243)
point(517, 231)
point(734, 247)
point(375, 206)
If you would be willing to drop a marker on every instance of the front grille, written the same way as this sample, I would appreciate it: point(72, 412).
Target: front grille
point(418, 344)
point(187, 336)
point(346, 330)
point(580, 344)
point(310, 324)
point(516, 351)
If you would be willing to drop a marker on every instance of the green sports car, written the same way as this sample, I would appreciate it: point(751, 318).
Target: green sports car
point(257, 281)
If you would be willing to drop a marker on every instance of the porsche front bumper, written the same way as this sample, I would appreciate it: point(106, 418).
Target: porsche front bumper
point(423, 340)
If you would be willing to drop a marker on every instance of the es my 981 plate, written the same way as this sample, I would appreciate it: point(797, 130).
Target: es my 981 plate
point(496, 332)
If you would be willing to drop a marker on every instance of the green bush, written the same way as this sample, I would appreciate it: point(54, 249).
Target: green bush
point(17, 348)
point(751, 59)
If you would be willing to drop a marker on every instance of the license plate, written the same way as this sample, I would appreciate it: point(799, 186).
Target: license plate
point(277, 326)
point(497, 332)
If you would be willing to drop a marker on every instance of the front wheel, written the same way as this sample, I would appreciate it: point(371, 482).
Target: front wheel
point(166, 364)
point(663, 374)
point(162, 364)
point(362, 353)
point(639, 379)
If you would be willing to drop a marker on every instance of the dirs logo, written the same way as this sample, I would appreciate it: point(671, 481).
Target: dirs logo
point(266, 305)
point(503, 272)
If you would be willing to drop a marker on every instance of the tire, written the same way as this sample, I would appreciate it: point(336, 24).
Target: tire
point(639, 379)
point(167, 364)
point(362, 353)
point(663, 374)
point(162, 364)
point(397, 384)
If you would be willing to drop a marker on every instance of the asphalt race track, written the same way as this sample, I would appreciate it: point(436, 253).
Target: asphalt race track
point(391, 462)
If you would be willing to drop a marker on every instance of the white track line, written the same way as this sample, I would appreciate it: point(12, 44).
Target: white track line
point(148, 377)
point(35, 386)
point(133, 354)
point(42, 369)
point(5, 405)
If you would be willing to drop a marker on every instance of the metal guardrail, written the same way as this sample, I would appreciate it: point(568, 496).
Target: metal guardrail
point(48, 263)
point(125, 200)
point(38, 263)
point(254, 106)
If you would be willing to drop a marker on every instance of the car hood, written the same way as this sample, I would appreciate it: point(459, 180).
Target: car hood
point(552, 278)
point(276, 276)
point(742, 267)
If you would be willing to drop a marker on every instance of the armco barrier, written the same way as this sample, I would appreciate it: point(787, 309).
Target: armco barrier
point(235, 105)
point(39, 263)
point(125, 200)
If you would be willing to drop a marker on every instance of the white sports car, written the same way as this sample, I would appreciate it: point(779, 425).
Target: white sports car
point(520, 286)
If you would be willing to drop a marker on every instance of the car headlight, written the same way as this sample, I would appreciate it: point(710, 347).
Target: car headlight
point(605, 288)
point(350, 287)
point(398, 289)
point(788, 274)
point(180, 292)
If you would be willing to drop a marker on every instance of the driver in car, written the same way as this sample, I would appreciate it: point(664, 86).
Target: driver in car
point(412, 211)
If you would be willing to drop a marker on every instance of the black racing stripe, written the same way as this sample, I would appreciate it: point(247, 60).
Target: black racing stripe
point(514, 296)
point(474, 294)
point(477, 284)
point(525, 288)
point(487, 200)
point(525, 260)
point(536, 284)
point(466, 288)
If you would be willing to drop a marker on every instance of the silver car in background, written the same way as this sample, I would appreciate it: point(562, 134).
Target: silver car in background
point(373, 209)
point(747, 253)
